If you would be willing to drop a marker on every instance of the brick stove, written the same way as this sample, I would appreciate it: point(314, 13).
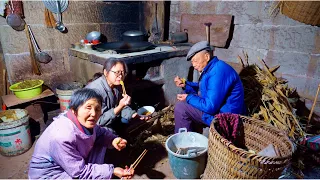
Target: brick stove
point(150, 76)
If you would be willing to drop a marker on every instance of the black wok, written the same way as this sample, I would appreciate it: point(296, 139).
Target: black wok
point(124, 47)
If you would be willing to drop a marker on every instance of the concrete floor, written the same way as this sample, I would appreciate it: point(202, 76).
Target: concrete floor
point(17, 167)
point(154, 165)
point(151, 167)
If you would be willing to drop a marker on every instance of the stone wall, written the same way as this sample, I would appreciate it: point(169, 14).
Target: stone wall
point(81, 17)
point(277, 39)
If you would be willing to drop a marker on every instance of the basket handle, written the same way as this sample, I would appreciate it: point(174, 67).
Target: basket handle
point(181, 130)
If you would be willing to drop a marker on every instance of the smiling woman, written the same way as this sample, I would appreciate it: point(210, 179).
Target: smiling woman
point(86, 107)
point(73, 146)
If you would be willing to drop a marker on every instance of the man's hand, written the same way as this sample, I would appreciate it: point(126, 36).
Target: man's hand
point(119, 143)
point(125, 173)
point(136, 115)
point(180, 82)
point(182, 97)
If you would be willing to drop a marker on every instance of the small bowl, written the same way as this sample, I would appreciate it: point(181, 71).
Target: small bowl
point(146, 111)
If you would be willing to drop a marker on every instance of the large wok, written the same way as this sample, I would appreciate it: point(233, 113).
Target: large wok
point(124, 47)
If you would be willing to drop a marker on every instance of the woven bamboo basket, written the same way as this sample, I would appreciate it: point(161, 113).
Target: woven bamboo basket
point(307, 12)
point(227, 161)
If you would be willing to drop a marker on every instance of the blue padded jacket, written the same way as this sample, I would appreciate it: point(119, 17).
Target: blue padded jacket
point(220, 91)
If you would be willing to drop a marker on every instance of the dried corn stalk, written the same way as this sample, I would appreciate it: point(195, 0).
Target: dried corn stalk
point(267, 98)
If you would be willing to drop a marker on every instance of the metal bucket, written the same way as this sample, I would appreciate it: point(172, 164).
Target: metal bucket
point(191, 164)
point(15, 137)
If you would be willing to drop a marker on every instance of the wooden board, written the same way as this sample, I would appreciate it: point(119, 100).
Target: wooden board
point(12, 100)
point(219, 30)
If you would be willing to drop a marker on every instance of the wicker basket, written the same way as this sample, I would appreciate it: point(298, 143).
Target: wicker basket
point(307, 12)
point(227, 161)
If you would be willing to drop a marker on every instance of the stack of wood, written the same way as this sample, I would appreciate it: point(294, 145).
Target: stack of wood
point(270, 99)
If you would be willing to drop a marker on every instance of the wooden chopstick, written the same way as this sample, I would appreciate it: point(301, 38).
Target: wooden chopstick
point(136, 162)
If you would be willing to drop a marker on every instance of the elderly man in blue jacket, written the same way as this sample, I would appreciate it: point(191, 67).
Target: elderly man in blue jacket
point(219, 90)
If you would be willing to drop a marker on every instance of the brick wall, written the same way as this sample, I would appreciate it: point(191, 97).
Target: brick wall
point(278, 39)
point(81, 17)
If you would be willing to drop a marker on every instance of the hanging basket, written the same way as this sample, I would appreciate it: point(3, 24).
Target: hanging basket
point(307, 12)
point(226, 161)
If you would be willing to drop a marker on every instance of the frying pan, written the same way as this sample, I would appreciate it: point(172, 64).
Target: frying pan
point(124, 47)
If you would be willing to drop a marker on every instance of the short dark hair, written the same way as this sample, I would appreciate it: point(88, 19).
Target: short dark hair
point(80, 96)
point(109, 63)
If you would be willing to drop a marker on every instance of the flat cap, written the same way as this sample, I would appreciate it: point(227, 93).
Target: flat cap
point(202, 45)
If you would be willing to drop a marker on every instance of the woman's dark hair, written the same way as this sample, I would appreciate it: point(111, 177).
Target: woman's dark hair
point(80, 96)
point(108, 64)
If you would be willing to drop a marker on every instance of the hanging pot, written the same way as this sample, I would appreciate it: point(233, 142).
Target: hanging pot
point(133, 36)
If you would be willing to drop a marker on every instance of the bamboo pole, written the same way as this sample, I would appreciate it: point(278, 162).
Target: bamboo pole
point(314, 104)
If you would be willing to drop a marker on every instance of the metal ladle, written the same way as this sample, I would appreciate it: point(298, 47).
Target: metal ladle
point(42, 57)
point(59, 25)
point(14, 20)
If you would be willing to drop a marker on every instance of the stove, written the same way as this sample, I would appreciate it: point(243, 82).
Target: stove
point(151, 71)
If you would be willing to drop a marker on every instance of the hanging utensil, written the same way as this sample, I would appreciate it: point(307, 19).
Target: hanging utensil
point(59, 25)
point(52, 5)
point(42, 57)
point(35, 66)
point(14, 20)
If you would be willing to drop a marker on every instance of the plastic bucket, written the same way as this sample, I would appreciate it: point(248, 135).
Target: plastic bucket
point(15, 137)
point(64, 92)
point(192, 164)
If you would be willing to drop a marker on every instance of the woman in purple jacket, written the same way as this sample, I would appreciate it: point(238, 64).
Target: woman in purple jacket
point(74, 147)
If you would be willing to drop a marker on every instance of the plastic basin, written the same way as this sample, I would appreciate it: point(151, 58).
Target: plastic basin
point(27, 93)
